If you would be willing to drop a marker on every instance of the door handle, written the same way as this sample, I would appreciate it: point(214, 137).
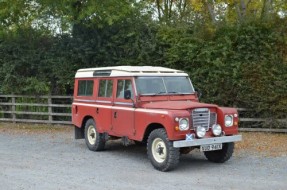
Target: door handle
point(115, 114)
point(97, 110)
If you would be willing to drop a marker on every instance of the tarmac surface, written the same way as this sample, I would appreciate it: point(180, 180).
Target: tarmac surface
point(55, 160)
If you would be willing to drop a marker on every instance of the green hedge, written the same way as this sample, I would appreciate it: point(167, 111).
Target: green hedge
point(234, 65)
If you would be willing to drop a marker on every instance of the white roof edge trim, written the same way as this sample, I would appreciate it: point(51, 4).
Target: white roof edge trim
point(86, 75)
point(131, 71)
point(131, 68)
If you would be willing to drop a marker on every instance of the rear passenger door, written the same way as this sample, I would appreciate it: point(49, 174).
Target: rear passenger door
point(123, 110)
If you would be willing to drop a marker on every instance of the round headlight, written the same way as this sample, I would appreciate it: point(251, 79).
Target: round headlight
point(228, 120)
point(216, 129)
point(183, 124)
point(200, 131)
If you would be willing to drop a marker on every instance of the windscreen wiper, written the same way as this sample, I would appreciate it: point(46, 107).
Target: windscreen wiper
point(152, 94)
point(179, 93)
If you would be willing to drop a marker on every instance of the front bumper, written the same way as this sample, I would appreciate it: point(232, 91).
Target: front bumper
point(198, 142)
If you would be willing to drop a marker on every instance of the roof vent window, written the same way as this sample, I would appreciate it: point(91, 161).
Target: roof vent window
point(102, 73)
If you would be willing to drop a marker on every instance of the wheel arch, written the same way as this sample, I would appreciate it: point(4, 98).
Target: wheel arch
point(85, 119)
point(80, 131)
point(150, 128)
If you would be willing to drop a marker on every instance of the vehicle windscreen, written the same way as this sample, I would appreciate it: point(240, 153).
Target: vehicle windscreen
point(163, 85)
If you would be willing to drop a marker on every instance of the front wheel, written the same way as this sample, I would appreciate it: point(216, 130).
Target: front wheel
point(95, 141)
point(161, 153)
point(220, 156)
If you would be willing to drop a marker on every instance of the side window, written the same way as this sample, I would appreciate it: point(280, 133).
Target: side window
point(122, 86)
point(106, 88)
point(85, 87)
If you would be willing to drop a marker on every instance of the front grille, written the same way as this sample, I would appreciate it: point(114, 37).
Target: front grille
point(213, 119)
point(203, 117)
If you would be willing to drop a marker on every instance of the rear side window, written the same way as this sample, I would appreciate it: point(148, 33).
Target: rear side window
point(85, 87)
point(106, 88)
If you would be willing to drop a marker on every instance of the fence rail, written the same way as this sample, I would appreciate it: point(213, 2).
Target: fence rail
point(57, 110)
point(9, 112)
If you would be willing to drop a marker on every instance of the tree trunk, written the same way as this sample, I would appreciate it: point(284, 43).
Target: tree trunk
point(158, 9)
point(210, 8)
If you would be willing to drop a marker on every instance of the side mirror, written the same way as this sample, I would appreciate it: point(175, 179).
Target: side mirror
point(127, 94)
point(198, 93)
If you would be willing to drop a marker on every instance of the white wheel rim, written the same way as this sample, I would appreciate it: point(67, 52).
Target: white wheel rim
point(158, 150)
point(92, 135)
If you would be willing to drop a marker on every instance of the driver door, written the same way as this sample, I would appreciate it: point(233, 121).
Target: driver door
point(123, 110)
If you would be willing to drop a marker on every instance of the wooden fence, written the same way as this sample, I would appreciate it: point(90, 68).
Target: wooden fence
point(10, 103)
point(57, 110)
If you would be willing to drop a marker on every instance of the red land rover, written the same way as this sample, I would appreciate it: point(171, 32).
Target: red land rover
point(155, 106)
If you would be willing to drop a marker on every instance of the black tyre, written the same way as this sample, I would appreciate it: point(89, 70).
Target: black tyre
point(94, 140)
point(161, 153)
point(220, 156)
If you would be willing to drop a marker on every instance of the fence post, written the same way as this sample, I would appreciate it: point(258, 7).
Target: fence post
point(13, 109)
point(50, 110)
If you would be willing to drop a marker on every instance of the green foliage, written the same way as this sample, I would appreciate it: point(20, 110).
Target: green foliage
point(240, 66)
point(236, 53)
point(24, 108)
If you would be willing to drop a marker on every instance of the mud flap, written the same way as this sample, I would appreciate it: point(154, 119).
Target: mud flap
point(79, 133)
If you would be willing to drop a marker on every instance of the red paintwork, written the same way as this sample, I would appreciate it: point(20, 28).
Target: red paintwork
point(133, 122)
point(220, 114)
point(177, 105)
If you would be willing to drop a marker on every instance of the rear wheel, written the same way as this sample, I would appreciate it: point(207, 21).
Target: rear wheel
point(95, 141)
point(161, 153)
point(220, 156)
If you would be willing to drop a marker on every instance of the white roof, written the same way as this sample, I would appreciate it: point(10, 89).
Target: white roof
point(129, 71)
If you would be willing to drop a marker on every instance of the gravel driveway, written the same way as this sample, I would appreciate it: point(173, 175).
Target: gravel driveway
point(46, 159)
